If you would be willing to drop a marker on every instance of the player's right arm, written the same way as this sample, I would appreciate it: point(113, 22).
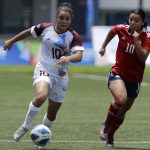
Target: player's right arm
point(111, 34)
point(141, 52)
point(22, 35)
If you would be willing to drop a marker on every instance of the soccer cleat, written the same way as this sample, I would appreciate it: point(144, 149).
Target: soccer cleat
point(109, 141)
point(20, 133)
point(42, 147)
point(103, 133)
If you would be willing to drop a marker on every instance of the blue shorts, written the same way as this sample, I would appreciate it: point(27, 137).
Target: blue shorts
point(132, 88)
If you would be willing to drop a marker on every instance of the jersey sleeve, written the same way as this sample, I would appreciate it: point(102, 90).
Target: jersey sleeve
point(38, 29)
point(116, 28)
point(76, 42)
point(146, 43)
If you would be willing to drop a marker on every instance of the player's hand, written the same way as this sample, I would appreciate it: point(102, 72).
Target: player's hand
point(102, 51)
point(136, 37)
point(63, 60)
point(7, 45)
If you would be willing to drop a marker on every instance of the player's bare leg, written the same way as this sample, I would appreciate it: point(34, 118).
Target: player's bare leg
point(41, 90)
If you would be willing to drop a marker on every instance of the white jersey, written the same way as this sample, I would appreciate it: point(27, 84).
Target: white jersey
point(55, 45)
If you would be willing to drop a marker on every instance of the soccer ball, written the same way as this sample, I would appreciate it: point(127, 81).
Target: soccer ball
point(40, 135)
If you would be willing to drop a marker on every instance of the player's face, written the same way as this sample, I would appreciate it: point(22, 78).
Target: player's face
point(63, 21)
point(135, 22)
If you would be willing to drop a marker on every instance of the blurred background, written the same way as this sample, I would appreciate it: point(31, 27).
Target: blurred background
point(92, 19)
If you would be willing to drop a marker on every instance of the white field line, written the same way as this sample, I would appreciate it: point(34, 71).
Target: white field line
point(100, 78)
point(119, 142)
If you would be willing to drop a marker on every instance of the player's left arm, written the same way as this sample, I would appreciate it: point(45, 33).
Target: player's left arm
point(141, 52)
point(76, 49)
point(75, 57)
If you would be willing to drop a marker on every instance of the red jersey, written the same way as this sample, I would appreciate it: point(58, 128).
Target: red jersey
point(127, 65)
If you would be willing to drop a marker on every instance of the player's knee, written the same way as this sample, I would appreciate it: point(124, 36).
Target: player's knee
point(41, 97)
point(122, 100)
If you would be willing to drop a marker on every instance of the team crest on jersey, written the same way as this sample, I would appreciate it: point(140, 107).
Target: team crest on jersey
point(123, 38)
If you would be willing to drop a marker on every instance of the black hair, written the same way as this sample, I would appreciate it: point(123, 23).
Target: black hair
point(66, 7)
point(142, 14)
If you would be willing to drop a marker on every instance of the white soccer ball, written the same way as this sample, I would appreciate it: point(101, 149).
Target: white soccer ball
point(40, 135)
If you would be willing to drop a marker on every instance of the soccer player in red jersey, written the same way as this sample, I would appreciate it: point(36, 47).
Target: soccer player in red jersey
point(60, 45)
point(127, 73)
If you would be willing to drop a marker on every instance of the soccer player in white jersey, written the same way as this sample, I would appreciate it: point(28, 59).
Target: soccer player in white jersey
point(60, 45)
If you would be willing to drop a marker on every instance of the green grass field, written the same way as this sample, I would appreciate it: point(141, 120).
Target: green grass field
point(81, 116)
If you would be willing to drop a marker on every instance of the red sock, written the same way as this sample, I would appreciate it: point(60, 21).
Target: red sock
point(115, 124)
point(112, 112)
